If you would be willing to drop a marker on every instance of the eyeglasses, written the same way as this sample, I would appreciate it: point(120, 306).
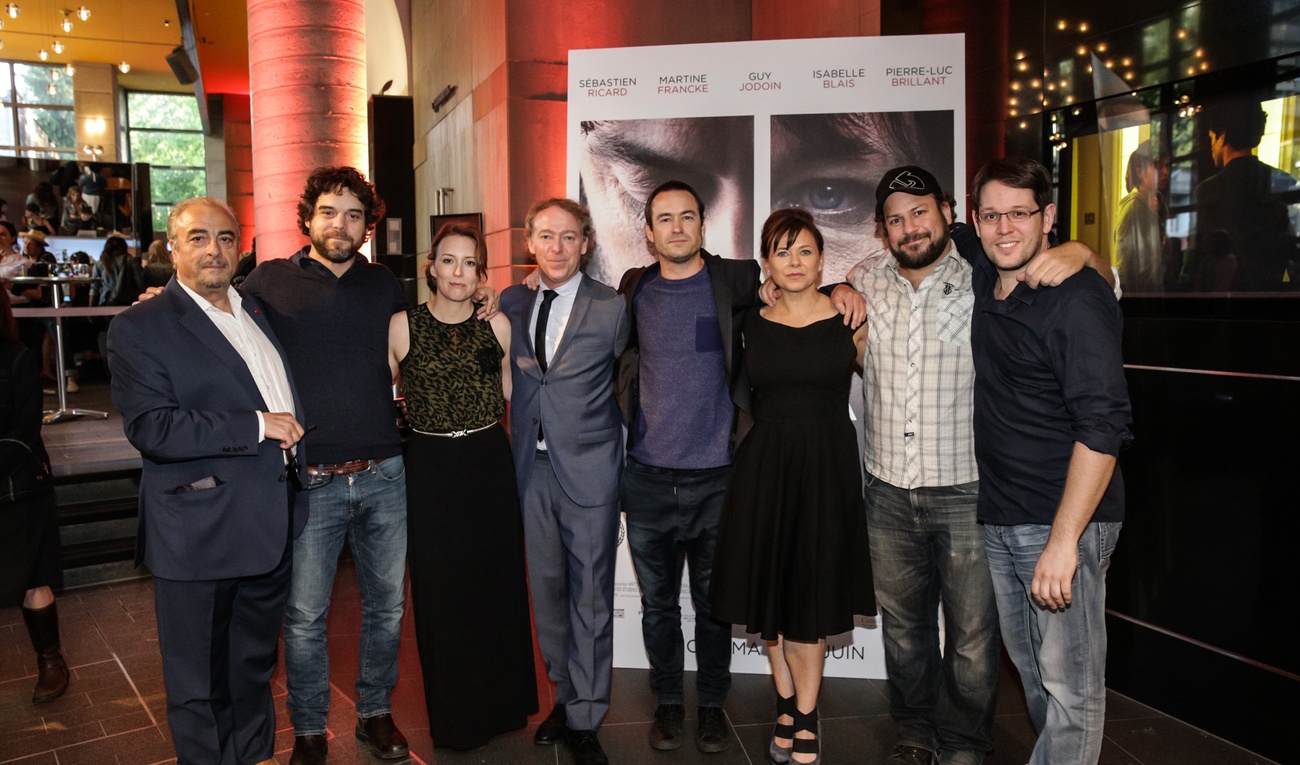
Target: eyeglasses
point(1015, 216)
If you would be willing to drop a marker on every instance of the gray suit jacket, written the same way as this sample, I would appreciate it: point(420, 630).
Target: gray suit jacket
point(574, 399)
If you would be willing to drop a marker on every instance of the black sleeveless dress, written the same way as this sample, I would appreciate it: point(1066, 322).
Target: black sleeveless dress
point(792, 556)
point(469, 586)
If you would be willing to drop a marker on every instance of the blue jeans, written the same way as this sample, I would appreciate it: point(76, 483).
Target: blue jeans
point(673, 517)
point(927, 549)
point(1061, 655)
point(370, 509)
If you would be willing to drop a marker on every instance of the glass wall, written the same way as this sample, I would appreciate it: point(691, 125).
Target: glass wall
point(164, 130)
point(36, 117)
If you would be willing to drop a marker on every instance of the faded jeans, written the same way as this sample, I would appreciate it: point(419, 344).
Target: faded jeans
point(927, 549)
point(369, 508)
point(1061, 655)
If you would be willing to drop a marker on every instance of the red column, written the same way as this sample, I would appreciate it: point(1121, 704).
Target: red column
point(307, 76)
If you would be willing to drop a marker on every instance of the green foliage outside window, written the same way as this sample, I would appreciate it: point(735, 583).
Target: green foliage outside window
point(165, 131)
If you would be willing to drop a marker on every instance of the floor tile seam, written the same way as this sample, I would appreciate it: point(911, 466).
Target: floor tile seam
point(135, 690)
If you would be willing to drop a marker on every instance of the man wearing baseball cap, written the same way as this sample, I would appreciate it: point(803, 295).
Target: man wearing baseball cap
point(921, 479)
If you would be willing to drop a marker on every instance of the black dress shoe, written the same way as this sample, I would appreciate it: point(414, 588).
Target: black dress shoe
point(713, 733)
point(666, 733)
point(380, 735)
point(585, 748)
point(552, 729)
point(309, 750)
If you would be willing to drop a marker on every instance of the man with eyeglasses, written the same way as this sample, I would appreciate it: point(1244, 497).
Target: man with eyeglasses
point(1051, 413)
point(921, 476)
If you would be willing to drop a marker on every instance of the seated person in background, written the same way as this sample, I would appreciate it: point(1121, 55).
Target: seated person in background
point(158, 267)
point(71, 220)
point(35, 221)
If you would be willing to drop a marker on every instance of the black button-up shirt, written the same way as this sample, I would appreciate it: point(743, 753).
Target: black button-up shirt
point(1048, 373)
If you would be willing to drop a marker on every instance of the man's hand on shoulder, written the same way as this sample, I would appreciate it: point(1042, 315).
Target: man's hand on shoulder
point(491, 300)
point(283, 427)
point(148, 293)
point(533, 280)
point(1051, 267)
point(769, 293)
point(850, 303)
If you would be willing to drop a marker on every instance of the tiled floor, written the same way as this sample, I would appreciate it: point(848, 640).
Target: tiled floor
point(114, 712)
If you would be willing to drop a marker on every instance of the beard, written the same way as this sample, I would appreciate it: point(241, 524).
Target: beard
point(331, 250)
point(923, 258)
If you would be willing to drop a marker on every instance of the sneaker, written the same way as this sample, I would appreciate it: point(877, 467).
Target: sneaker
point(666, 733)
point(714, 732)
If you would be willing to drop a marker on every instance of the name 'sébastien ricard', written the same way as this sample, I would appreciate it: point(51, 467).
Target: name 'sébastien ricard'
point(598, 87)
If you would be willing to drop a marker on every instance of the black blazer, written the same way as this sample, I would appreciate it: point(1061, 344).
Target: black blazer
point(735, 292)
point(213, 499)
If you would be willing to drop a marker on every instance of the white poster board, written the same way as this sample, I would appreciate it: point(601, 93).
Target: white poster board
point(754, 126)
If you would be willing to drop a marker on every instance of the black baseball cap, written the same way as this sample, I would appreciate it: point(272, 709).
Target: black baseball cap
point(908, 179)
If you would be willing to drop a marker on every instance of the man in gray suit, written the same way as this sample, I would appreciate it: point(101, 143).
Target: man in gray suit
point(567, 437)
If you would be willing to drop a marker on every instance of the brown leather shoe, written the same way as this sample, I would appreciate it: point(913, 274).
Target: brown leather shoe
point(380, 735)
point(552, 729)
point(309, 750)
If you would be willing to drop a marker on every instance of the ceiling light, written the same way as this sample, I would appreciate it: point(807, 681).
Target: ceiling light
point(52, 89)
point(124, 67)
point(55, 74)
point(12, 10)
point(83, 13)
point(58, 47)
point(44, 54)
point(70, 69)
point(66, 24)
point(1083, 27)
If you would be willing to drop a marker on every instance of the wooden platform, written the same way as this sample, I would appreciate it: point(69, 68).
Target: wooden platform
point(86, 446)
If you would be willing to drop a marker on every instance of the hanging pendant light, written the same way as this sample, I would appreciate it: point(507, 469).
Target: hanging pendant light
point(12, 10)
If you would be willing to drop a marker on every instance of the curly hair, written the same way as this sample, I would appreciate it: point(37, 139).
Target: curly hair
point(333, 180)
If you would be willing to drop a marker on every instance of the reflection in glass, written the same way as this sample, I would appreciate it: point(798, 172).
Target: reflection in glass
point(52, 128)
point(1139, 240)
point(1248, 200)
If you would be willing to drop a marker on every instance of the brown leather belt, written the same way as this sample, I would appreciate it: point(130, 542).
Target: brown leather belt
point(341, 468)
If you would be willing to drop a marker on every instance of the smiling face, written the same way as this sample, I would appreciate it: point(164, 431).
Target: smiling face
point(455, 268)
point(337, 227)
point(558, 245)
point(205, 249)
point(1012, 244)
point(916, 229)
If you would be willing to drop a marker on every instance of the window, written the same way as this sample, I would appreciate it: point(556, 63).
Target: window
point(164, 130)
point(36, 118)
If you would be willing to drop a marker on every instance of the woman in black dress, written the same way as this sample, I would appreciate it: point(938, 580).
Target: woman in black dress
point(792, 562)
point(30, 563)
point(469, 585)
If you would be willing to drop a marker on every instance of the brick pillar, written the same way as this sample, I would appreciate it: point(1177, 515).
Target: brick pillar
point(307, 75)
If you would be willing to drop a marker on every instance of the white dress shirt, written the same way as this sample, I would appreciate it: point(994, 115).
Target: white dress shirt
point(557, 321)
point(255, 348)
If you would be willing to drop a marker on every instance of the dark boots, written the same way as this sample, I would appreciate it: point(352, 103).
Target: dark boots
point(43, 628)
